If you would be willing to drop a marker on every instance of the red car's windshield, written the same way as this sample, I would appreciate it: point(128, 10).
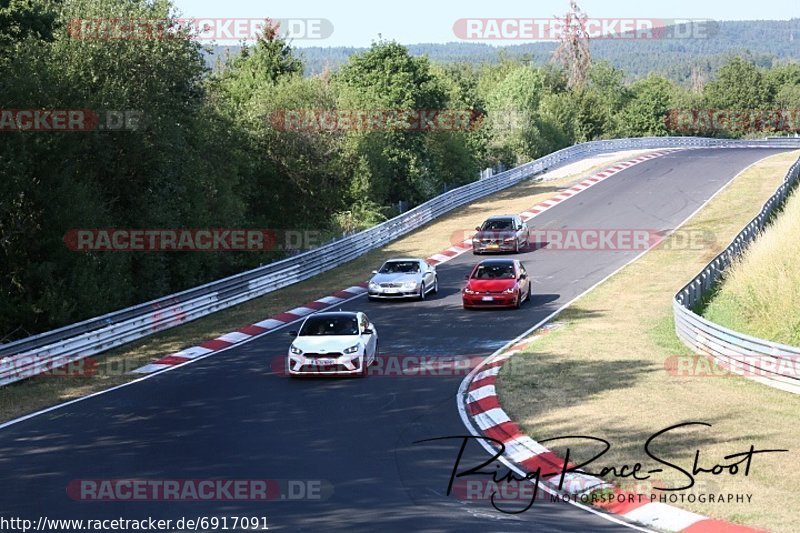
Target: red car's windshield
point(500, 271)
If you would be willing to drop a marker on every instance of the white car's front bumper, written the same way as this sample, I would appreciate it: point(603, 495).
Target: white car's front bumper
point(318, 365)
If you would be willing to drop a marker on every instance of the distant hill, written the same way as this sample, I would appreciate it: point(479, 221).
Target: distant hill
point(766, 42)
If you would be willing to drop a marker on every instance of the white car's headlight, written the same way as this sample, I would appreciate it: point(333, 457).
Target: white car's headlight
point(410, 285)
point(352, 349)
point(295, 350)
point(373, 285)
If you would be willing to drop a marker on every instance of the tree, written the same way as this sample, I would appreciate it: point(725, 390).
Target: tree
point(645, 114)
point(739, 85)
point(392, 164)
point(573, 49)
point(605, 85)
point(23, 19)
point(264, 64)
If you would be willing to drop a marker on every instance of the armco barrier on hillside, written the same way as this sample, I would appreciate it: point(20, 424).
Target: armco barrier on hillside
point(96, 335)
point(768, 362)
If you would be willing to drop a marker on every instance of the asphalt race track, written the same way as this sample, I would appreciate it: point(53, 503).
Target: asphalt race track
point(230, 417)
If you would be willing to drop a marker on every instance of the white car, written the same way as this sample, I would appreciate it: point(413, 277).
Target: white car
point(403, 278)
point(333, 343)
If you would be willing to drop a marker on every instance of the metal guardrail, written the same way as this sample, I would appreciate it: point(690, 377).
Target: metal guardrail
point(38, 353)
point(769, 362)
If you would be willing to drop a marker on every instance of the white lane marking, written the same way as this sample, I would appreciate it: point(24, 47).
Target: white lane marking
point(491, 372)
point(487, 391)
point(192, 352)
point(269, 323)
point(301, 311)
point(575, 483)
point(147, 369)
point(234, 337)
point(330, 300)
point(355, 290)
point(491, 418)
point(520, 448)
point(663, 516)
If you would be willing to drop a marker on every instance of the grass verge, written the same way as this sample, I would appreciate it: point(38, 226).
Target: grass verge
point(112, 368)
point(760, 294)
point(603, 373)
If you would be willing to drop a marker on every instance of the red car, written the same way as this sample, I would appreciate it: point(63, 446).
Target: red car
point(497, 283)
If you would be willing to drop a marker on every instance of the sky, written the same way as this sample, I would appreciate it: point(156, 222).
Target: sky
point(431, 21)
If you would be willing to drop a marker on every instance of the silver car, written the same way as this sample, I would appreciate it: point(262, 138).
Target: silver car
point(403, 278)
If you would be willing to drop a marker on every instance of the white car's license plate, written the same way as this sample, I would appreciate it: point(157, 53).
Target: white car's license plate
point(392, 291)
point(488, 299)
point(324, 362)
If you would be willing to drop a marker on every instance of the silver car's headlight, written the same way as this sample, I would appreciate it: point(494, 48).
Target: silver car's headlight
point(351, 349)
point(373, 285)
point(410, 285)
point(295, 350)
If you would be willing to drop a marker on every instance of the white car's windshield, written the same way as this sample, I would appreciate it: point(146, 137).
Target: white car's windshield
point(398, 267)
point(316, 326)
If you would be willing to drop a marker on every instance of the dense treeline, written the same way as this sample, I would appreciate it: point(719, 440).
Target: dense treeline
point(209, 153)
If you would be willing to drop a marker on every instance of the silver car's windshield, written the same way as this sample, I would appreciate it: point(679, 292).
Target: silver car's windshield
point(498, 225)
point(315, 326)
point(399, 267)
